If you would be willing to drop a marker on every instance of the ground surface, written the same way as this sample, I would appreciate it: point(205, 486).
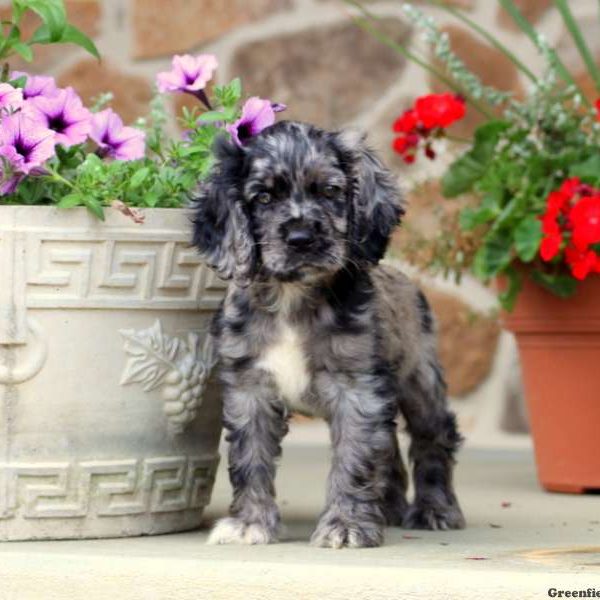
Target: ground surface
point(520, 542)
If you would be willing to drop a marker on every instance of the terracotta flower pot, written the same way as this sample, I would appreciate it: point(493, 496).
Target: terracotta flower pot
point(559, 346)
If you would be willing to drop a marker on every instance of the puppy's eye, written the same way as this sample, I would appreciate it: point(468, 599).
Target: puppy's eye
point(331, 191)
point(263, 197)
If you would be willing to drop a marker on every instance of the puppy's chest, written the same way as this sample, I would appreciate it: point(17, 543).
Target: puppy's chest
point(285, 358)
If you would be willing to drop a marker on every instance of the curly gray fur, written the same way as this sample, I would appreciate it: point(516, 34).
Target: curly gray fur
point(298, 220)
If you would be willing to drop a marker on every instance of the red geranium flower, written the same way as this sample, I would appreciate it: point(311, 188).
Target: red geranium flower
point(598, 109)
point(572, 220)
point(425, 121)
point(439, 110)
point(550, 246)
point(406, 122)
point(556, 202)
point(581, 263)
point(585, 220)
point(405, 142)
point(570, 187)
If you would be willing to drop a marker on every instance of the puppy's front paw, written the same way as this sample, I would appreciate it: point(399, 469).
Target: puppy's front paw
point(339, 533)
point(434, 515)
point(231, 530)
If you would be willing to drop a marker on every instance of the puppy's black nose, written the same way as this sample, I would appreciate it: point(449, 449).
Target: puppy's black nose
point(300, 237)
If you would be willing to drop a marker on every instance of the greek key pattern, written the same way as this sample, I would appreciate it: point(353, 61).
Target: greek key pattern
point(105, 488)
point(13, 326)
point(125, 271)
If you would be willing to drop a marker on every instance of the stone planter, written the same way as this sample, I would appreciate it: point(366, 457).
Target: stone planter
point(109, 425)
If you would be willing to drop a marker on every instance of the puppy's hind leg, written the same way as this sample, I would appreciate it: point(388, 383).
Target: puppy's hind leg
point(395, 483)
point(435, 440)
point(256, 426)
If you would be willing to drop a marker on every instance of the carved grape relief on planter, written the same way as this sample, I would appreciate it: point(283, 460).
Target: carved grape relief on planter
point(179, 367)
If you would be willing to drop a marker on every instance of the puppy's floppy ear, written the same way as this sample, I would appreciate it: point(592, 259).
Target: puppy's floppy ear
point(377, 204)
point(222, 231)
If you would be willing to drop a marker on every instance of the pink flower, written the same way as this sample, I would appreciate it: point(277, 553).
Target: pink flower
point(10, 98)
point(36, 85)
point(24, 146)
point(115, 140)
point(257, 114)
point(189, 74)
point(65, 114)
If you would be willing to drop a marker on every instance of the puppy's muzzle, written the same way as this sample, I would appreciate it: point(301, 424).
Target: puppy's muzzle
point(300, 235)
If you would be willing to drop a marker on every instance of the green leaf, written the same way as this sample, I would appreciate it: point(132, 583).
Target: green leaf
point(23, 50)
point(70, 35)
point(94, 207)
point(471, 166)
point(18, 8)
point(20, 82)
point(582, 47)
point(509, 296)
point(528, 235)
point(588, 170)
point(462, 175)
point(211, 116)
point(139, 178)
point(53, 15)
point(235, 88)
point(151, 199)
point(231, 113)
point(473, 217)
point(493, 256)
point(561, 285)
point(71, 200)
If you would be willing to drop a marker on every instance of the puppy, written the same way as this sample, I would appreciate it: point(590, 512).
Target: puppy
point(298, 220)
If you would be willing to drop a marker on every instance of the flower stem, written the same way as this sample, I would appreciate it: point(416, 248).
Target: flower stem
point(59, 178)
point(579, 40)
point(201, 95)
point(487, 36)
point(382, 37)
point(517, 16)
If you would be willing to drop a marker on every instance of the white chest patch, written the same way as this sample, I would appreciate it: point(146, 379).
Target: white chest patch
point(286, 361)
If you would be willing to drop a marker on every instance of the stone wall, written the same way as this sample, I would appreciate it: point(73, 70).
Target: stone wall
point(309, 55)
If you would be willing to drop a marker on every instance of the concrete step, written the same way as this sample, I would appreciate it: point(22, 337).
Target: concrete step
point(519, 543)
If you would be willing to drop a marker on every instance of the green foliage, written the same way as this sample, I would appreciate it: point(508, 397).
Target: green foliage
point(514, 161)
point(55, 29)
point(510, 169)
point(472, 165)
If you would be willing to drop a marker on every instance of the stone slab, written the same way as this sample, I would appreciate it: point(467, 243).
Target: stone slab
point(540, 541)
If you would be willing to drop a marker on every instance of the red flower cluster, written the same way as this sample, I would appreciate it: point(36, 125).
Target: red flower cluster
point(425, 121)
point(572, 221)
point(598, 109)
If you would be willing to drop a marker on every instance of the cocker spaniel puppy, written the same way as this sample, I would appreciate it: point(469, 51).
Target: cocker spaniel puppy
point(298, 220)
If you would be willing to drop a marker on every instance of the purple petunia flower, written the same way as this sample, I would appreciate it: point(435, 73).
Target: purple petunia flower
point(10, 98)
point(36, 85)
point(65, 114)
point(189, 74)
point(24, 146)
point(257, 114)
point(115, 140)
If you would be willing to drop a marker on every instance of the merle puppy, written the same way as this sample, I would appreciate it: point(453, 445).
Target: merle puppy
point(298, 219)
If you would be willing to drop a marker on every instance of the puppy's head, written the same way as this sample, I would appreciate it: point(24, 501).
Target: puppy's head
point(295, 203)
